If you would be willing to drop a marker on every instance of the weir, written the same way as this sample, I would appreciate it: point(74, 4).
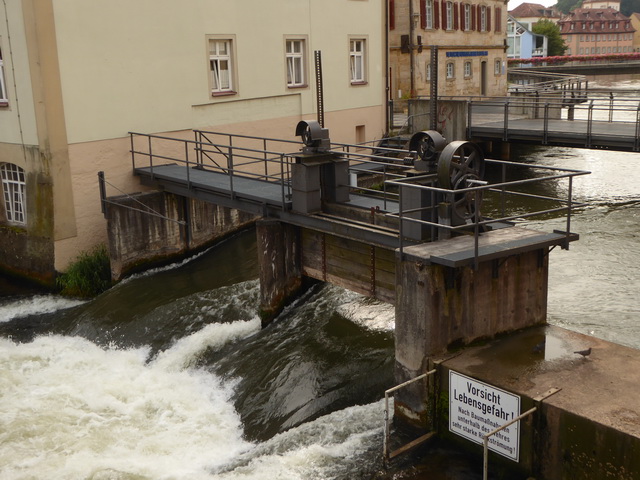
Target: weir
point(433, 229)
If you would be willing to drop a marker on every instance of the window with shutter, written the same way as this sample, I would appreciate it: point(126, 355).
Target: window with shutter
point(423, 14)
point(488, 17)
point(498, 22)
point(443, 5)
point(392, 14)
point(436, 14)
point(472, 25)
point(456, 16)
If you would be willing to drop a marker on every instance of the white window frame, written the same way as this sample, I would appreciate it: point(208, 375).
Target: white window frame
point(467, 69)
point(497, 66)
point(13, 187)
point(467, 16)
point(358, 60)
point(483, 18)
point(428, 10)
point(4, 100)
point(428, 70)
point(451, 70)
point(221, 66)
point(295, 55)
point(449, 7)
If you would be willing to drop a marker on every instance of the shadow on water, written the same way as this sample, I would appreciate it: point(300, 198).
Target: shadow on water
point(311, 361)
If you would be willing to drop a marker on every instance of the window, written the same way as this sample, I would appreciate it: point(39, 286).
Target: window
point(357, 61)
point(295, 63)
point(498, 66)
point(428, 14)
point(428, 69)
point(4, 100)
point(13, 186)
point(467, 16)
point(483, 19)
point(449, 15)
point(450, 70)
point(467, 69)
point(221, 66)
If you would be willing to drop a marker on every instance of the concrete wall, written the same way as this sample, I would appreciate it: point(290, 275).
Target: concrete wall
point(451, 120)
point(138, 240)
point(439, 309)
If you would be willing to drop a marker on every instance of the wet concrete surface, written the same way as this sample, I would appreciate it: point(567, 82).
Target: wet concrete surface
point(603, 386)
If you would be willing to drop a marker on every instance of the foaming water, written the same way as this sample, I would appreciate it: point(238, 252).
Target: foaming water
point(73, 410)
point(36, 305)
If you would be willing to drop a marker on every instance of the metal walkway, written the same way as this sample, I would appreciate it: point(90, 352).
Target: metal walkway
point(252, 174)
point(601, 122)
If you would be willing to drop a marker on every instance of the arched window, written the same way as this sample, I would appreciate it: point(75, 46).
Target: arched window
point(13, 186)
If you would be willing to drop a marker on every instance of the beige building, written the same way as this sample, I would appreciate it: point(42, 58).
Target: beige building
point(77, 76)
point(596, 31)
point(471, 41)
point(635, 23)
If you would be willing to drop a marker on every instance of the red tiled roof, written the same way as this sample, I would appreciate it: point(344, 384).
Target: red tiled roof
point(534, 10)
point(604, 20)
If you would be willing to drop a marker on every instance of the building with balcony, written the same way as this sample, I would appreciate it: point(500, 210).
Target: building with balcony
point(523, 43)
point(77, 76)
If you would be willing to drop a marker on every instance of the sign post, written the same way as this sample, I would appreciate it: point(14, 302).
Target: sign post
point(476, 408)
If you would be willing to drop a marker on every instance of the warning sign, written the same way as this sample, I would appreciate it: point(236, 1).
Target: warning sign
point(476, 409)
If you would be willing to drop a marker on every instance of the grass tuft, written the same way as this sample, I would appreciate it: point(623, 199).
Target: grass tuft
point(88, 276)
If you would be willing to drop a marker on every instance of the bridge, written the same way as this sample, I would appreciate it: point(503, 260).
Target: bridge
point(595, 119)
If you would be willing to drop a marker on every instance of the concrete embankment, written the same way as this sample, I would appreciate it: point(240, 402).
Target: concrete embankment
point(589, 429)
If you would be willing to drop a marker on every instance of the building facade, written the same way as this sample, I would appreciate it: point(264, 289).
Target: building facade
point(522, 43)
point(528, 14)
point(77, 76)
point(471, 42)
point(596, 31)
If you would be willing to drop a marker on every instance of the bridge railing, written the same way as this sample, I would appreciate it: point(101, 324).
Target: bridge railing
point(483, 204)
point(584, 115)
point(220, 153)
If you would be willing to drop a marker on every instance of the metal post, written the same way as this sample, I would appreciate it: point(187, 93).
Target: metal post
point(433, 103)
point(150, 156)
point(610, 107)
point(186, 155)
point(505, 134)
point(589, 124)
point(485, 474)
point(103, 194)
point(319, 92)
point(545, 128)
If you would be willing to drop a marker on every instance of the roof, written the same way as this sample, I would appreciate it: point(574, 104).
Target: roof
point(604, 20)
point(534, 10)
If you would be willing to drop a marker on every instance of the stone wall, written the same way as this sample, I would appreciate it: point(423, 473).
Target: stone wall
point(158, 227)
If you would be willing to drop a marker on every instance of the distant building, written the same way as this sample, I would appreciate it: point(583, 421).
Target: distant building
point(470, 37)
point(635, 23)
point(596, 31)
point(76, 76)
point(522, 43)
point(528, 14)
point(615, 4)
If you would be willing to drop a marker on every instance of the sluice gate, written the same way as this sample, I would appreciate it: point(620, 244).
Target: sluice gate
point(435, 229)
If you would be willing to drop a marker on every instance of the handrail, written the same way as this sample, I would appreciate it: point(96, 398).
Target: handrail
point(503, 189)
point(387, 421)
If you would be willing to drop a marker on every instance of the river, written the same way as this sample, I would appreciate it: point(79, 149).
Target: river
point(169, 376)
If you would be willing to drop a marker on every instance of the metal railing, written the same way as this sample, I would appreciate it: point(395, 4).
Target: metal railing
point(588, 116)
point(387, 421)
point(225, 157)
point(498, 194)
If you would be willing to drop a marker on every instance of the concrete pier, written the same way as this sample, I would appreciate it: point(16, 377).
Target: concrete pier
point(590, 429)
